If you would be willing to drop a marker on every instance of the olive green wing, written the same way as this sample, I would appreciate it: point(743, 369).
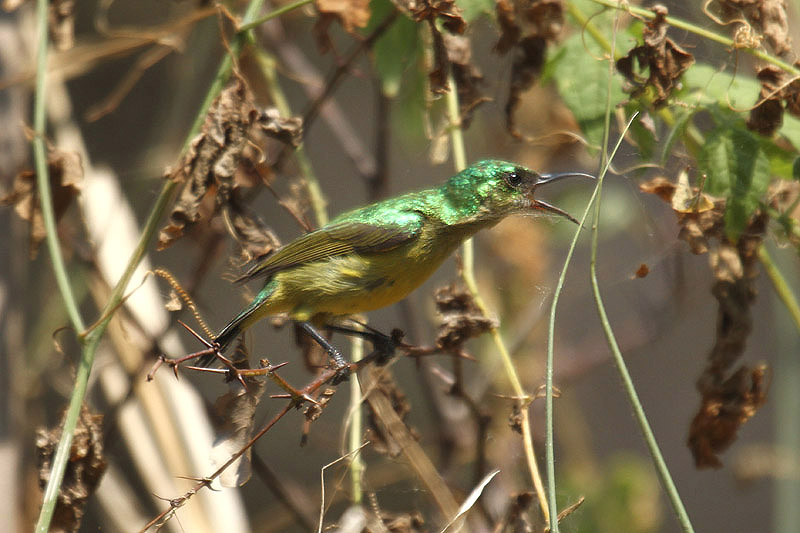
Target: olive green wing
point(337, 239)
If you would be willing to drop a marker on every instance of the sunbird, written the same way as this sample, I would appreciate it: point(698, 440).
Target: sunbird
point(376, 255)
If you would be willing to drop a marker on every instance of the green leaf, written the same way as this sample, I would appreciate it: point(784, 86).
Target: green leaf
point(736, 167)
point(582, 82)
point(707, 85)
point(396, 50)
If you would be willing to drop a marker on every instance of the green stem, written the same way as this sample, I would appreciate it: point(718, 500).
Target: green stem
point(780, 285)
point(92, 338)
point(702, 32)
point(468, 275)
point(630, 389)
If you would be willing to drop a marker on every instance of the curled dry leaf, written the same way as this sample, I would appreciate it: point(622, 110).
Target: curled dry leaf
point(466, 75)
point(766, 17)
point(209, 166)
point(526, 31)
point(255, 238)
point(412, 522)
point(445, 10)
point(724, 409)
point(529, 57)
point(728, 397)
point(660, 56)
point(351, 14)
point(546, 18)
point(509, 29)
point(445, 50)
point(461, 319)
point(778, 93)
point(85, 468)
point(516, 516)
point(66, 177)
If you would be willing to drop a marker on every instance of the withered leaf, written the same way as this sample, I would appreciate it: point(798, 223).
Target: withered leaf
point(723, 411)
point(255, 238)
point(351, 14)
point(529, 57)
point(429, 11)
point(546, 18)
point(466, 76)
point(541, 21)
point(767, 17)
point(778, 93)
point(728, 399)
point(66, 176)
point(85, 468)
point(509, 29)
point(445, 10)
point(767, 117)
point(460, 320)
point(210, 164)
point(664, 60)
point(438, 74)
point(288, 130)
point(400, 523)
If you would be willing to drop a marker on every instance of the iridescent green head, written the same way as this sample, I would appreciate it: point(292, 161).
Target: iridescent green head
point(493, 189)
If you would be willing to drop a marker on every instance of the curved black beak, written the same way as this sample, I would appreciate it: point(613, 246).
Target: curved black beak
point(549, 178)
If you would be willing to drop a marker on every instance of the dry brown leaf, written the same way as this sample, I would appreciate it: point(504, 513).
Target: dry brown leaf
point(538, 22)
point(450, 15)
point(445, 10)
point(66, 177)
point(766, 17)
point(777, 91)
point(210, 165)
point(85, 468)
point(664, 60)
point(529, 57)
point(728, 397)
point(509, 29)
point(460, 320)
point(724, 409)
point(466, 75)
point(351, 14)
point(546, 18)
point(255, 238)
point(400, 523)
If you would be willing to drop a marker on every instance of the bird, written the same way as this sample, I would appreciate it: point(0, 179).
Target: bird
point(375, 255)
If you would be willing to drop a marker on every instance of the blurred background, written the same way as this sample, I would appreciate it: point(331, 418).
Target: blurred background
point(125, 97)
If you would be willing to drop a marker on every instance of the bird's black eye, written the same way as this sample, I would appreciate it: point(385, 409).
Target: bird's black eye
point(518, 178)
point(514, 179)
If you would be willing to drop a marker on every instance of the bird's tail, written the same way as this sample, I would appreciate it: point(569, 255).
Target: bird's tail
point(238, 325)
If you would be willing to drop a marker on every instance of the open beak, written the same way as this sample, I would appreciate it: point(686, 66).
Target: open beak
point(549, 178)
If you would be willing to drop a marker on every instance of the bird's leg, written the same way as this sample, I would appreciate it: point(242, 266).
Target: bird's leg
point(384, 345)
point(342, 368)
